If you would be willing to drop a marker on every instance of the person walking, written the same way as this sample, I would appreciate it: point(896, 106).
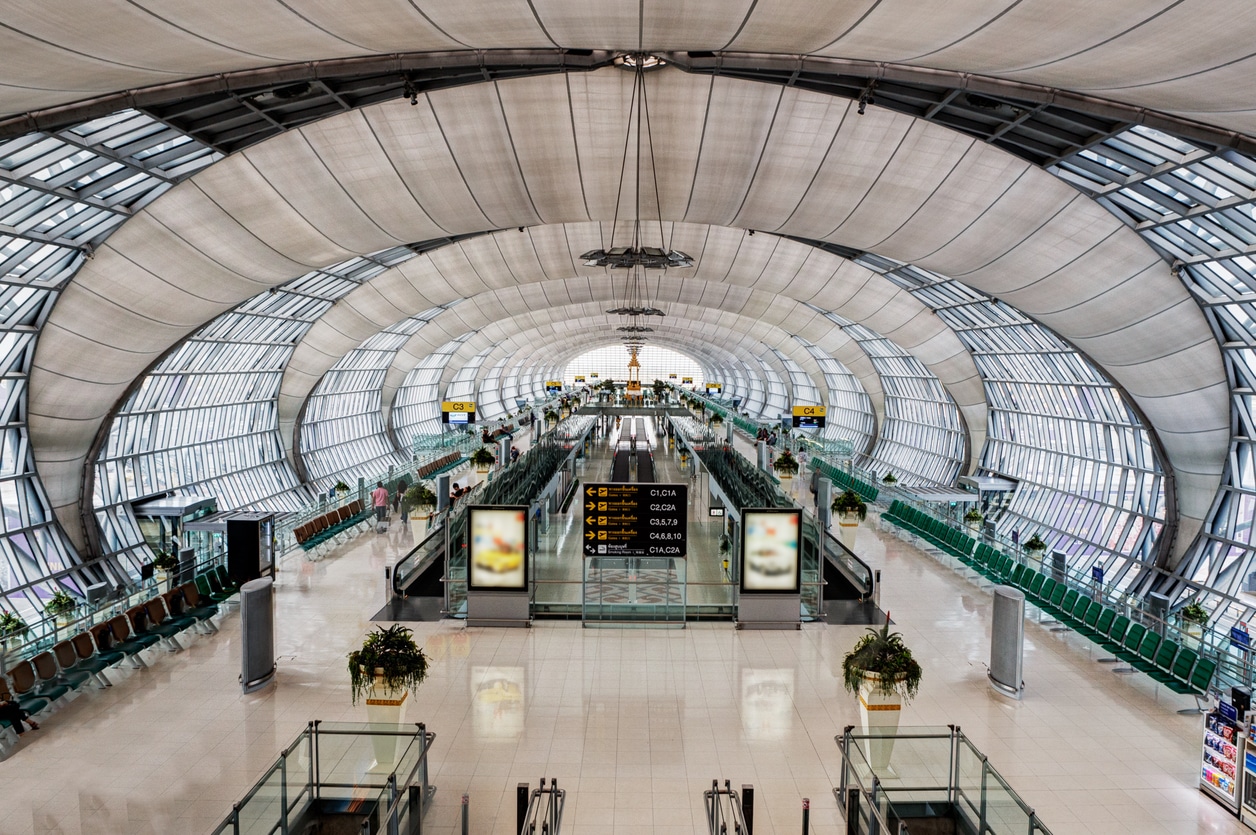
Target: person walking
point(379, 499)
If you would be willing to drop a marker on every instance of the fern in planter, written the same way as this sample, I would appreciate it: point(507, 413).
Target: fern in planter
point(341, 487)
point(59, 604)
point(973, 515)
point(786, 463)
point(166, 560)
point(882, 652)
point(483, 457)
point(12, 626)
point(889, 478)
point(849, 502)
point(1035, 543)
point(418, 496)
point(1194, 612)
point(401, 662)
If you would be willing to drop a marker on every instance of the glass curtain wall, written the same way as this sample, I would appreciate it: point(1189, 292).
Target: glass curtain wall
point(1089, 480)
point(205, 420)
point(1197, 206)
point(342, 429)
point(922, 440)
point(850, 415)
point(416, 407)
point(610, 362)
point(61, 194)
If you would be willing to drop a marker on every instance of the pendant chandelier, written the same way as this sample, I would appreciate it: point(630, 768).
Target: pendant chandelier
point(634, 255)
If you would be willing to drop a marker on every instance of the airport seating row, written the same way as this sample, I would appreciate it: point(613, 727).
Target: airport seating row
point(437, 466)
point(330, 524)
point(1178, 668)
point(844, 480)
point(41, 682)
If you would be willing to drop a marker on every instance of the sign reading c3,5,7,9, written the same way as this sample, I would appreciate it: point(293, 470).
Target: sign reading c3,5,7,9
point(636, 520)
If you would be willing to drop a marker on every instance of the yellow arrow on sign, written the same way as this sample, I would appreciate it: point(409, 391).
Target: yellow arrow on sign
point(590, 506)
point(588, 534)
point(589, 520)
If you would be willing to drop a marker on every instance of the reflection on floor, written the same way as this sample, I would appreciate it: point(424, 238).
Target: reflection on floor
point(634, 723)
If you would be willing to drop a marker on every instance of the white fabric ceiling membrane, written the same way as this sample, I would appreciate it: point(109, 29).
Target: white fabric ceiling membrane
point(547, 150)
point(760, 294)
point(551, 338)
point(1157, 55)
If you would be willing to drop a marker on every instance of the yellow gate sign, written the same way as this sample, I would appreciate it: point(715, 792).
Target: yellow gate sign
point(809, 416)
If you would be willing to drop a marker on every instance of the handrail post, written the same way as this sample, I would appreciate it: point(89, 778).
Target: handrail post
point(283, 793)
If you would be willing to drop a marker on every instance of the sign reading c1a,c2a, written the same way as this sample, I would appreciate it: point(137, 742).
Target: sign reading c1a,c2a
point(635, 520)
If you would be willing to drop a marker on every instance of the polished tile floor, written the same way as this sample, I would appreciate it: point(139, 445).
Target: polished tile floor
point(634, 723)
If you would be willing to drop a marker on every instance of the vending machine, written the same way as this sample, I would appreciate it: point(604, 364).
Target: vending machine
point(1219, 775)
point(1247, 811)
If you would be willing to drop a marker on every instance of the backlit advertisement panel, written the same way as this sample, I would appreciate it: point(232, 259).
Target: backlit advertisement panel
point(497, 547)
point(770, 551)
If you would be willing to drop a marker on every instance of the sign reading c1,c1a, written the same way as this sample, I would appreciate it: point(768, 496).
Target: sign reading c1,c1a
point(635, 520)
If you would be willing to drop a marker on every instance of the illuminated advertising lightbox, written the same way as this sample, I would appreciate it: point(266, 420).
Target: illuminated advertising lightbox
point(770, 552)
point(497, 539)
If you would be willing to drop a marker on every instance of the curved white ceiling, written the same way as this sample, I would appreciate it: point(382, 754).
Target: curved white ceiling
point(546, 150)
point(762, 280)
point(1158, 55)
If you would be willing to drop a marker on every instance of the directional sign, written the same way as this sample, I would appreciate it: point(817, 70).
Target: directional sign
point(635, 520)
point(809, 416)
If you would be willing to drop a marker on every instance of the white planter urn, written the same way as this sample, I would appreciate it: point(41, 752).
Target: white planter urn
point(848, 526)
point(419, 518)
point(878, 715)
point(385, 706)
point(972, 525)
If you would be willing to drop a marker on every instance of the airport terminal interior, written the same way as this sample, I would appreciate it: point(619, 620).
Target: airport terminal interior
point(983, 269)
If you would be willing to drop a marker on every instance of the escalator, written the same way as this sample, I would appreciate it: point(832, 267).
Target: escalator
point(845, 581)
point(426, 572)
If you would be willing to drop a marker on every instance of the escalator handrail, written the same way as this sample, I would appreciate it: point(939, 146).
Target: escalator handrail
point(869, 580)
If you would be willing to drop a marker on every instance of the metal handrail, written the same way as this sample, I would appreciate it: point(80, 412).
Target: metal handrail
point(723, 810)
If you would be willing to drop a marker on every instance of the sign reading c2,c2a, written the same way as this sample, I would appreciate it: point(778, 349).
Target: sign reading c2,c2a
point(635, 520)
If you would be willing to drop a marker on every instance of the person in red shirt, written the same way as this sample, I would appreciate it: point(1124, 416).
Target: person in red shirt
point(379, 498)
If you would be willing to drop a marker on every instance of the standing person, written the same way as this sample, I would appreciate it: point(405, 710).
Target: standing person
point(14, 714)
point(379, 498)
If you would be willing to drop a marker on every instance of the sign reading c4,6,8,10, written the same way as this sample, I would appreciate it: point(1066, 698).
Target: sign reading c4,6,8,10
point(635, 520)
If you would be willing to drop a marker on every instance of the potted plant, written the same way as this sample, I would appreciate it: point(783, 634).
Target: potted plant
point(60, 606)
point(786, 465)
point(881, 670)
point(342, 489)
point(973, 519)
point(889, 478)
point(850, 510)
point(165, 562)
point(418, 502)
point(1035, 547)
point(12, 628)
point(1194, 619)
point(385, 670)
point(483, 458)
point(551, 416)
